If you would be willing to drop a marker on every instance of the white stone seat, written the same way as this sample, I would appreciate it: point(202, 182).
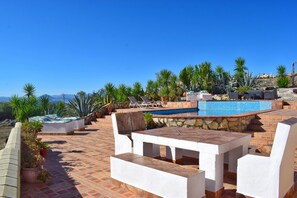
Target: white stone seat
point(270, 176)
point(125, 123)
point(162, 178)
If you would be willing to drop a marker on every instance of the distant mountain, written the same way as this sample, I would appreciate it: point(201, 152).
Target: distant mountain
point(57, 98)
point(53, 98)
point(4, 99)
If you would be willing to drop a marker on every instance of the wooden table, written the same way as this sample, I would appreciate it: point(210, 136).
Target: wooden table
point(212, 146)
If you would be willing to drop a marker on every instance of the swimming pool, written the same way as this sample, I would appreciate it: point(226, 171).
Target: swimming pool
point(215, 115)
point(219, 108)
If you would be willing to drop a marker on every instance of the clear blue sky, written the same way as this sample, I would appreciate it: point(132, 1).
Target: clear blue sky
point(64, 46)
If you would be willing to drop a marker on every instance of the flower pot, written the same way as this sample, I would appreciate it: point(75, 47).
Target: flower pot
point(30, 174)
point(109, 109)
point(164, 100)
point(98, 114)
point(43, 152)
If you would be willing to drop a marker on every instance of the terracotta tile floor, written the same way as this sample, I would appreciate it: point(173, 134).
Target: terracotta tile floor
point(79, 164)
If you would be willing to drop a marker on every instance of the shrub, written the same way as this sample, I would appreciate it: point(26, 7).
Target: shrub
point(282, 82)
point(243, 89)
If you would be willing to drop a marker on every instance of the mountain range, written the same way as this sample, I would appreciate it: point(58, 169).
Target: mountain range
point(53, 98)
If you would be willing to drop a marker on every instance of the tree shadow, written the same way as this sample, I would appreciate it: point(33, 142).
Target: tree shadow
point(80, 133)
point(56, 142)
point(61, 176)
point(91, 129)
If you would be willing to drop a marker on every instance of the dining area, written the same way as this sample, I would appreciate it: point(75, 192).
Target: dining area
point(138, 163)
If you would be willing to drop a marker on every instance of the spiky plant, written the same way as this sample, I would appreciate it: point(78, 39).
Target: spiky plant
point(29, 90)
point(248, 80)
point(82, 104)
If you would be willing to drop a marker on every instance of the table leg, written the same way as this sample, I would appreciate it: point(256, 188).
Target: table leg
point(213, 165)
point(173, 153)
point(146, 149)
point(234, 155)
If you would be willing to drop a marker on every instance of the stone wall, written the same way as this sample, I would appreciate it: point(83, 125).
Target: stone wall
point(234, 123)
point(265, 82)
point(10, 160)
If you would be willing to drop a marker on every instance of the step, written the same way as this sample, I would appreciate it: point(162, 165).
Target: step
point(261, 128)
point(264, 122)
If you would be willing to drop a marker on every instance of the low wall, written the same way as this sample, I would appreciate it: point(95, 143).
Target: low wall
point(232, 123)
point(186, 104)
point(10, 164)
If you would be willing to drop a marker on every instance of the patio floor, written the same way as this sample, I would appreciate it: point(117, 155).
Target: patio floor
point(80, 164)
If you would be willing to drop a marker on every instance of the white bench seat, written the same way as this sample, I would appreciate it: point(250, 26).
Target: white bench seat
point(162, 178)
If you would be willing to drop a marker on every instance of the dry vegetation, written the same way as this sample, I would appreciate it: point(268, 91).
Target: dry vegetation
point(4, 133)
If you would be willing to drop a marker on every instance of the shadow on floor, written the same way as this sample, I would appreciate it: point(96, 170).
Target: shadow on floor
point(61, 184)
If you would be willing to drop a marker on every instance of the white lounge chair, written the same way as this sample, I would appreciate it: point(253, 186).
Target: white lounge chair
point(147, 102)
point(125, 123)
point(270, 176)
point(133, 102)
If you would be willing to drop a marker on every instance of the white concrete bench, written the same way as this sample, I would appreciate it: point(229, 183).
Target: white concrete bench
point(162, 178)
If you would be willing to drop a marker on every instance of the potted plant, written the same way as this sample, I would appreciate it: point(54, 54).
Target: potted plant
point(44, 176)
point(30, 161)
point(43, 148)
point(109, 108)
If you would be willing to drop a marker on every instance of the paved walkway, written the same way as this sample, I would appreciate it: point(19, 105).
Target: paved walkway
point(80, 167)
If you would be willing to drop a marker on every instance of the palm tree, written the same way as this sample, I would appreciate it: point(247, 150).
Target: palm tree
point(122, 95)
point(175, 90)
point(163, 79)
point(240, 68)
point(282, 80)
point(110, 92)
point(137, 90)
point(204, 75)
point(151, 90)
point(186, 76)
point(45, 103)
point(281, 70)
point(29, 90)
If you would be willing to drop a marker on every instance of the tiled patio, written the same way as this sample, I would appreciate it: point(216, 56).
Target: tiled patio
point(80, 164)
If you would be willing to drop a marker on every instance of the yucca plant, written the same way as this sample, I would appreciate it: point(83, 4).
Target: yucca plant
point(82, 104)
point(248, 80)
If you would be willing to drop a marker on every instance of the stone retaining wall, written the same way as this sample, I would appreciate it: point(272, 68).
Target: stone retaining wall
point(10, 164)
point(234, 123)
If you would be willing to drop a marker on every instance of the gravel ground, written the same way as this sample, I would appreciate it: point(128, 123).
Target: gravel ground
point(4, 133)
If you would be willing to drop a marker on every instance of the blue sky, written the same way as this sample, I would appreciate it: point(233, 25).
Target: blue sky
point(68, 46)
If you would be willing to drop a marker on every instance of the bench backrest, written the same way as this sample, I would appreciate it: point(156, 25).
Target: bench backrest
point(125, 123)
point(282, 154)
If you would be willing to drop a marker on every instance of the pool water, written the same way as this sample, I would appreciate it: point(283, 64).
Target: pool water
point(219, 108)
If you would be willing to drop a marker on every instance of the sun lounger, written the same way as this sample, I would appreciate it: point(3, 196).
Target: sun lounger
point(133, 102)
point(147, 102)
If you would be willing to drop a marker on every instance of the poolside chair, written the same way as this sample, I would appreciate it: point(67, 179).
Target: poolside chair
point(133, 102)
point(125, 123)
point(254, 94)
point(147, 102)
point(270, 176)
point(233, 96)
point(270, 93)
